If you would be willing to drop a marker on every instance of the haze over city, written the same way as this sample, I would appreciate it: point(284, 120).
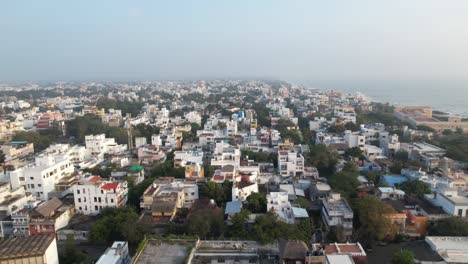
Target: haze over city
point(289, 40)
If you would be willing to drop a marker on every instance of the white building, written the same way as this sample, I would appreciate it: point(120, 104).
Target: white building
point(140, 141)
point(117, 254)
point(92, 194)
point(390, 193)
point(372, 152)
point(100, 145)
point(290, 163)
point(354, 140)
point(451, 249)
point(225, 154)
point(278, 202)
point(337, 212)
point(12, 199)
point(241, 190)
point(451, 202)
point(40, 177)
point(390, 144)
point(181, 158)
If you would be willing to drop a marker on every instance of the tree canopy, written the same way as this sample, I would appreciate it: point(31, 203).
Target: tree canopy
point(452, 226)
point(403, 257)
point(370, 221)
point(323, 158)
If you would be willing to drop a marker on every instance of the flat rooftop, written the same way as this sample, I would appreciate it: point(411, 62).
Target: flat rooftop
point(451, 249)
point(156, 251)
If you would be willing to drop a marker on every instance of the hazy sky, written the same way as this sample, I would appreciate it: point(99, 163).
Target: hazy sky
point(287, 39)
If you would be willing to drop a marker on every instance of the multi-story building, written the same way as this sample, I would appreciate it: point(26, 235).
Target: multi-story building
point(12, 199)
point(40, 177)
point(427, 154)
point(15, 151)
point(225, 154)
point(181, 158)
point(93, 194)
point(194, 170)
point(354, 139)
point(390, 144)
point(33, 249)
point(278, 203)
point(100, 145)
point(165, 196)
point(337, 212)
point(49, 217)
point(451, 201)
point(290, 163)
point(150, 154)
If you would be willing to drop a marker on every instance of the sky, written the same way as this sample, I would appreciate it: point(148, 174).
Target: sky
point(198, 39)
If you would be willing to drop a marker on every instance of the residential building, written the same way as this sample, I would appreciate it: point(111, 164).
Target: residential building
point(181, 158)
point(41, 249)
point(15, 151)
point(278, 202)
point(92, 194)
point(354, 139)
point(451, 249)
point(355, 250)
point(49, 217)
point(290, 163)
point(390, 144)
point(100, 145)
point(427, 154)
point(451, 201)
point(150, 154)
point(40, 177)
point(118, 253)
point(243, 189)
point(12, 199)
point(225, 154)
point(166, 195)
point(390, 193)
point(194, 170)
point(336, 212)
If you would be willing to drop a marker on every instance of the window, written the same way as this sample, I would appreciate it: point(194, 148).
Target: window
point(80, 208)
point(112, 200)
point(79, 200)
point(84, 191)
point(99, 199)
point(39, 185)
point(32, 178)
point(460, 212)
point(78, 191)
point(96, 208)
point(95, 199)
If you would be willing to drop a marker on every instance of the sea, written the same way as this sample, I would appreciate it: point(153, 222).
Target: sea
point(449, 96)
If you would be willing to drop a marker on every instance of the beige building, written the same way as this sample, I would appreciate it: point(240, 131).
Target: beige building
point(422, 116)
point(41, 249)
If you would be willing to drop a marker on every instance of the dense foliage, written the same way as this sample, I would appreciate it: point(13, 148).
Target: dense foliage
point(452, 226)
point(323, 158)
point(117, 224)
point(82, 126)
point(41, 139)
point(403, 257)
point(418, 188)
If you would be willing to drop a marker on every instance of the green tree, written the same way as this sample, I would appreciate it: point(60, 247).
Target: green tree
point(206, 223)
point(355, 152)
point(403, 257)
point(352, 126)
point(117, 224)
point(323, 158)
point(370, 221)
point(70, 254)
point(345, 183)
point(452, 226)
point(418, 188)
point(220, 193)
point(257, 203)
point(402, 155)
point(238, 227)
